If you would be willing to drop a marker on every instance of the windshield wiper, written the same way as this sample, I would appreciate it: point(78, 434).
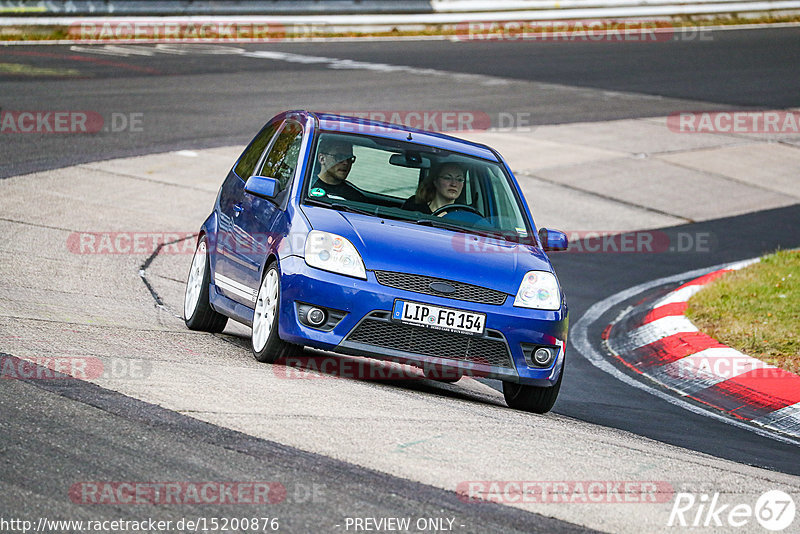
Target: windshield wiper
point(425, 222)
point(352, 209)
point(450, 226)
point(340, 207)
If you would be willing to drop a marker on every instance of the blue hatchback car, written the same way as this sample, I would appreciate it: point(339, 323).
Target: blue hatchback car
point(378, 240)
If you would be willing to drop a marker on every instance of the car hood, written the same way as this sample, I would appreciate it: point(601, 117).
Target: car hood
point(390, 245)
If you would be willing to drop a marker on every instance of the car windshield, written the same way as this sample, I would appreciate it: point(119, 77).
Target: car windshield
point(418, 183)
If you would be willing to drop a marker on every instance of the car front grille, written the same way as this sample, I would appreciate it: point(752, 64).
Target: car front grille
point(488, 350)
point(421, 284)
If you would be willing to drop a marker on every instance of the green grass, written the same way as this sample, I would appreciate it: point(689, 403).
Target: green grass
point(755, 310)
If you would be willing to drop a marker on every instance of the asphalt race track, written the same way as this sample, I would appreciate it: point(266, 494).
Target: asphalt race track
point(157, 99)
point(192, 98)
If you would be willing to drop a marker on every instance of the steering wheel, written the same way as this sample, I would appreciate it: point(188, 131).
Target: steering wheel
point(458, 207)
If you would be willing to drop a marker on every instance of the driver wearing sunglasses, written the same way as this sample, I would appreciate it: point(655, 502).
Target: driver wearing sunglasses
point(335, 159)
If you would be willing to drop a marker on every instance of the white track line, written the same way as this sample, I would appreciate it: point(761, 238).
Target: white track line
point(580, 339)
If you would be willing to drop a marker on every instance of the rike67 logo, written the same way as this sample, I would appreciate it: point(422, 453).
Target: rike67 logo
point(774, 510)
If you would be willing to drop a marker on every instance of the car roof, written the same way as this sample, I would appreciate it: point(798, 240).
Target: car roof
point(356, 125)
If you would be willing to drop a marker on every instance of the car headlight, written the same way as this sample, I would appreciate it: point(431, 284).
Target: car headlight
point(334, 253)
point(538, 290)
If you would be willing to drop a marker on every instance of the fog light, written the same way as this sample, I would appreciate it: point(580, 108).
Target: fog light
point(543, 356)
point(315, 317)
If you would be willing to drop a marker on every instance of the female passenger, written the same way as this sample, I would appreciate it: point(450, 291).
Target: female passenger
point(441, 187)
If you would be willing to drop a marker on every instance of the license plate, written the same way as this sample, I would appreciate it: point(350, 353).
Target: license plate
point(438, 318)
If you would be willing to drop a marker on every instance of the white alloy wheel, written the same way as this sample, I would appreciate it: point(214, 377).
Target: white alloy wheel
point(266, 308)
point(197, 311)
point(194, 285)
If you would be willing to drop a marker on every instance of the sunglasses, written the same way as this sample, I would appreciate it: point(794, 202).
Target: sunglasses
point(342, 158)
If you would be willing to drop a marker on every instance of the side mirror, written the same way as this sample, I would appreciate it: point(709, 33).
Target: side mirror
point(553, 239)
point(262, 186)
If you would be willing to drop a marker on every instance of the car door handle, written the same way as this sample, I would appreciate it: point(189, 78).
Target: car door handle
point(237, 209)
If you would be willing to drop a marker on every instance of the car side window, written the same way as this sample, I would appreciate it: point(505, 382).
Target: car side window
point(247, 163)
point(282, 159)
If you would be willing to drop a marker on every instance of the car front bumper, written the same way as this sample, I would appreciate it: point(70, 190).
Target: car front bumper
point(368, 330)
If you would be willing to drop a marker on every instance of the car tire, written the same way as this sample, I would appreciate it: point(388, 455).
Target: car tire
point(197, 311)
point(267, 346)
point(531, 398)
